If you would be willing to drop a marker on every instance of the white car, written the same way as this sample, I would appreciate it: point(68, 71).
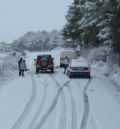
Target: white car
point(78, 68)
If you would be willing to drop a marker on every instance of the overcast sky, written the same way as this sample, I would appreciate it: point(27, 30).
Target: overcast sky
point(20, 16)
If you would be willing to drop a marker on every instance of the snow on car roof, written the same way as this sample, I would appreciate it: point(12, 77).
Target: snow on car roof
point(78, 63)
point(67, 51)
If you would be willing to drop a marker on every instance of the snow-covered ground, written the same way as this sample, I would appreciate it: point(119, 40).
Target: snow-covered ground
point(53, 101)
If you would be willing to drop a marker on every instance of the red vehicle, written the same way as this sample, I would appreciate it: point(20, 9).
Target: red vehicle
point(44, 63)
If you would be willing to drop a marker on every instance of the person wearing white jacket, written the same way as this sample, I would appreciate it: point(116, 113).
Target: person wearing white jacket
point(66, 63)
point(23, 67)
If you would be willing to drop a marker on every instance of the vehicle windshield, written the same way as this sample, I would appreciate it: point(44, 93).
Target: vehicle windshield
point(44, 56)
point(79, 64)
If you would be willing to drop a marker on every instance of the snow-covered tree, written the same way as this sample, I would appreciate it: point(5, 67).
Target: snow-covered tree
point(41, 40)
point(71, 30)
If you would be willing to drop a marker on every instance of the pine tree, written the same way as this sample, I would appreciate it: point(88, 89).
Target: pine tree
point(71, 30)
point(88, 21)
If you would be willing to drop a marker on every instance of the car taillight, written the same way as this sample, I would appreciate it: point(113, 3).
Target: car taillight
point(50, 61)
point(87, 69)
point(37, 61)
point(72, 68)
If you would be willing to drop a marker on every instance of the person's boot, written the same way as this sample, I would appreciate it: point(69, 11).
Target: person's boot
point(19, 73)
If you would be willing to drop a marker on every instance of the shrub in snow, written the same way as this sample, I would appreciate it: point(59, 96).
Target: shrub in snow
point(98, 54)
point(115, 77)
point(99, 58)
point(102, 67)
point(109, 67)
point(8, 68)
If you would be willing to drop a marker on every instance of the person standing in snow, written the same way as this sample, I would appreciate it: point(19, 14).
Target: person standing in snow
point(66, 63)
point(19, 62)
point(23, 67)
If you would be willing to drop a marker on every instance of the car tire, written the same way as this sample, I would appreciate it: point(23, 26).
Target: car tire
point(52, 70)
point(70, 76)
point(60, 65)
point(37, 71)
point(88, 76)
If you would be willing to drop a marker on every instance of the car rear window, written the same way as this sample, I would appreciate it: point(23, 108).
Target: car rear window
point(44, 56)
point(70, 54)
point(79, 64)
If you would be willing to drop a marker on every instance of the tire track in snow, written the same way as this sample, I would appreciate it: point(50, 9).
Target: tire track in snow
point(86, 107)
point(63, 116)
point(51, 108)
point(28, 106)
point(74, 112)
point(38, 113)
point(63, 112)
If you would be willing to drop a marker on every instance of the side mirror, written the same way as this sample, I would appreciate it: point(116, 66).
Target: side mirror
point(53, 58)
point(34, 59)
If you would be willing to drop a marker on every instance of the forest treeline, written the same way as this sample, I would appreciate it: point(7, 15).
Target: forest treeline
point(89, 23)
point(38, 41)
point(93, 22)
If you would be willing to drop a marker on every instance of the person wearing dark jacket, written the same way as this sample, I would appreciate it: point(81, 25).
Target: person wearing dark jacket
point(19, 62)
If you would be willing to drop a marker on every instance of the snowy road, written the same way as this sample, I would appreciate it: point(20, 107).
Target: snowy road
point(53, 102)
point(28, 106)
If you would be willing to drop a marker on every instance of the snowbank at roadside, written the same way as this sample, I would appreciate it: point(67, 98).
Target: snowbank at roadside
point(105, 61)
point(104, 109)
point(8, 67)
point(13, 99)
point(104, 96)
point(101, 66)
point(115, 77)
